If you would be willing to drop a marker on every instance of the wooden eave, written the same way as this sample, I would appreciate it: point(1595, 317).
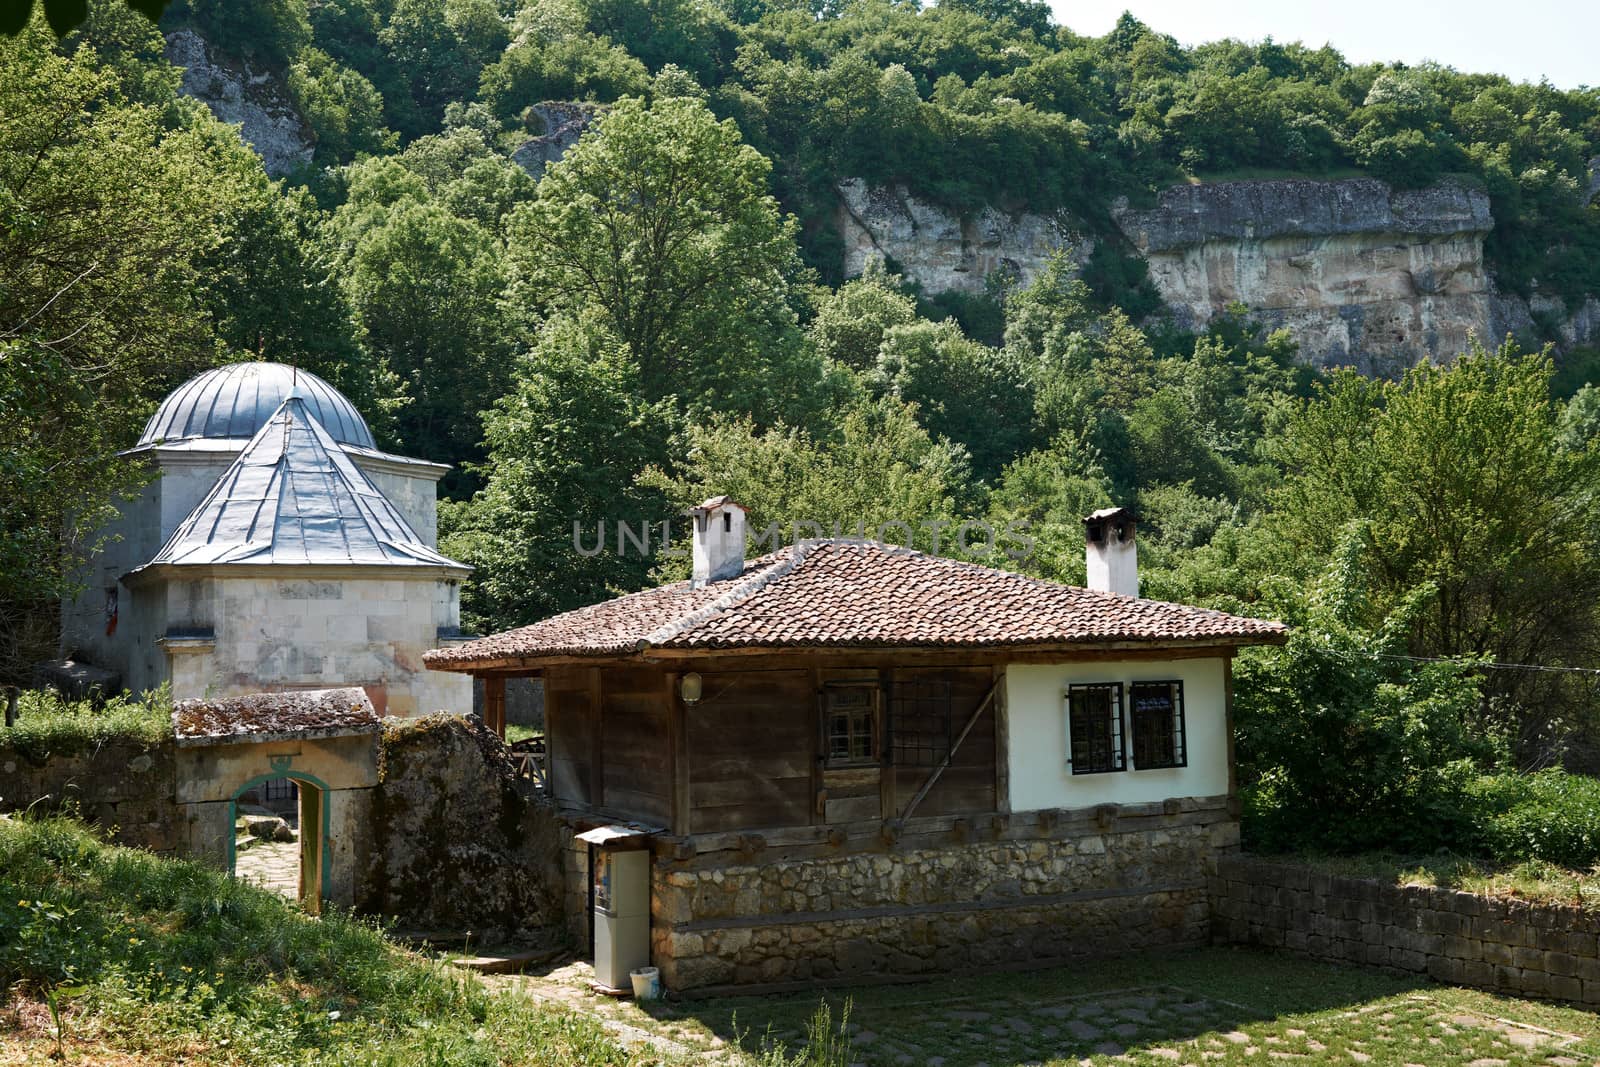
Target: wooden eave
point(871, 655)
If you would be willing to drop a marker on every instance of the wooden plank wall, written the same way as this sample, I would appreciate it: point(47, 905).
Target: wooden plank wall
point(968, 784)
point(638, 754)
point(750, 751)
point(569, 725)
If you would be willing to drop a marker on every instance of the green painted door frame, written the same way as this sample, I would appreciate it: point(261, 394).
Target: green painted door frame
point(319, 813)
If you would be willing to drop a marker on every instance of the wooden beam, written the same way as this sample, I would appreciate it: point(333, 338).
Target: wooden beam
point(937, 771)
point(1002, 743)
point(494, 705)
point(1227, 718)
point(888, 803)
point(705, 659)
point(678, 728)
point(597, 757)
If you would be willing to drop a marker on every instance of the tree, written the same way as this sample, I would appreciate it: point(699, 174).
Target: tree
point(565, 446)
point(660, 220)
point(852, 320)
point(106, 212)
point(1457, 472)
point(1346, 745)
point(341, 106)
point(424, 287)
point(881, 467)
point(963, 390)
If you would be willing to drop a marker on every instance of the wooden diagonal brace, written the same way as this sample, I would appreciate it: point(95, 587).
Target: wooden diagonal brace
point(937, 771)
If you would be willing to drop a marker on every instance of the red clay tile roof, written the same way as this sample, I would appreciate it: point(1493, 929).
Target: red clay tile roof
point(851, 594)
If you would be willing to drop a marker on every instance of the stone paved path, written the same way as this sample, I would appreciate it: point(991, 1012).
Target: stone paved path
point(1142, 1026)
point(273, 864)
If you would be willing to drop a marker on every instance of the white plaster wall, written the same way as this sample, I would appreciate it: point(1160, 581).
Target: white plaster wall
point(292, 632)
point(134, 537)
point(1036, 709)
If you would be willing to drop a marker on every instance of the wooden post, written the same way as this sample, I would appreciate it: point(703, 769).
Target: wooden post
point(678, 729)
point(11, 706)
point(1002, 744)
point(494, 703)
point(597, 752)
point(1227, 720)
point(818, 724)
point(888, 803)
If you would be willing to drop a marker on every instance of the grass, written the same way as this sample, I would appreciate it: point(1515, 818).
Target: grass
point(1212, 1006)
point(162, 961)
point(516, 732)
point(47, 724)
point(1533, 880)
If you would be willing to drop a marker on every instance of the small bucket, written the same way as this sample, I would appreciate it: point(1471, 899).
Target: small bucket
point(646, 983)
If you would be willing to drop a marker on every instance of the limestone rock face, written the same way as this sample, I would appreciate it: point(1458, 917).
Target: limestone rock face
point(1361, 274)
point(257, 101)
point(941, 250)
point(563, 123)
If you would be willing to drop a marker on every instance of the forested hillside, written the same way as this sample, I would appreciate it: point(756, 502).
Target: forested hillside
point(659, 316)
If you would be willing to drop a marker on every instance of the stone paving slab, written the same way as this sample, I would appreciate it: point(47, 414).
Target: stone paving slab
point(272, 864)
point(1145, 1026)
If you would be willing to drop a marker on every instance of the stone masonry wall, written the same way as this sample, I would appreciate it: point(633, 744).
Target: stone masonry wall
point(938, 895)
point(123, 786)
point(1505, 945)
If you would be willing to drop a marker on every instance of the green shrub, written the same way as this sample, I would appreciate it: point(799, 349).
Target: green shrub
point(1551, 816)
point(48, 724)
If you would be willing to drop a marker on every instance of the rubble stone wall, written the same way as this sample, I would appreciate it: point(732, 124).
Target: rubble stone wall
point(938, 895)
point(126, 787)
point(459, 842)
point(1505, 945)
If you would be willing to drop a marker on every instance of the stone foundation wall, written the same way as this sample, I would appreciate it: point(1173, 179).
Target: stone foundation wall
point(1505, 945)
point(937, 895)
point(123, 786)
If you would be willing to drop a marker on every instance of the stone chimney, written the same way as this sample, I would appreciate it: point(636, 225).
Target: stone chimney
point(1112, 555)
point(718, 540)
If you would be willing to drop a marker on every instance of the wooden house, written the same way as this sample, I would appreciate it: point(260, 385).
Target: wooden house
point(851, 758)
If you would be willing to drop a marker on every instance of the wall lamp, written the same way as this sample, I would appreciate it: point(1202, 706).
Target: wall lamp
point(690, 688)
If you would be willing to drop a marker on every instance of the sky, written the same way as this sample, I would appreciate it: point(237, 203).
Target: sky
point(1525, 40)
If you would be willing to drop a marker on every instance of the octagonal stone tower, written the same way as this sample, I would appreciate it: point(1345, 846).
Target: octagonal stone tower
point(275, 548)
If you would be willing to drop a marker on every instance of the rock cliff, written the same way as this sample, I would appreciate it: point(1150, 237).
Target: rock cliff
point(943, 251)
point(257, 101)
point(1362, 274)
point(561, 124)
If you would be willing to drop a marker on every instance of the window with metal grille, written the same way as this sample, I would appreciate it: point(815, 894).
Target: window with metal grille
point(851, 722)
point(919, 723)
point(1094, 727)
point(1158, 738)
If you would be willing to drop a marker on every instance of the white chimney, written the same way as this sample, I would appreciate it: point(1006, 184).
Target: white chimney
point(718, 540)
point(1112, 555)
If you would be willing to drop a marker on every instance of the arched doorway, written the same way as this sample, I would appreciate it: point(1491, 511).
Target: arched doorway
point(308, 855)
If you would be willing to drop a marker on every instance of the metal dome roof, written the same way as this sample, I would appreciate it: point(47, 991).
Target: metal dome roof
point(236, 400)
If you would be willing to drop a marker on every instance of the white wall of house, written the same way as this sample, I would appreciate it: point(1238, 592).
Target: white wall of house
point(1037, 741)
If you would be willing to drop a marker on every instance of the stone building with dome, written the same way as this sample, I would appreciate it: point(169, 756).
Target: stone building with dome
point(274, 548)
